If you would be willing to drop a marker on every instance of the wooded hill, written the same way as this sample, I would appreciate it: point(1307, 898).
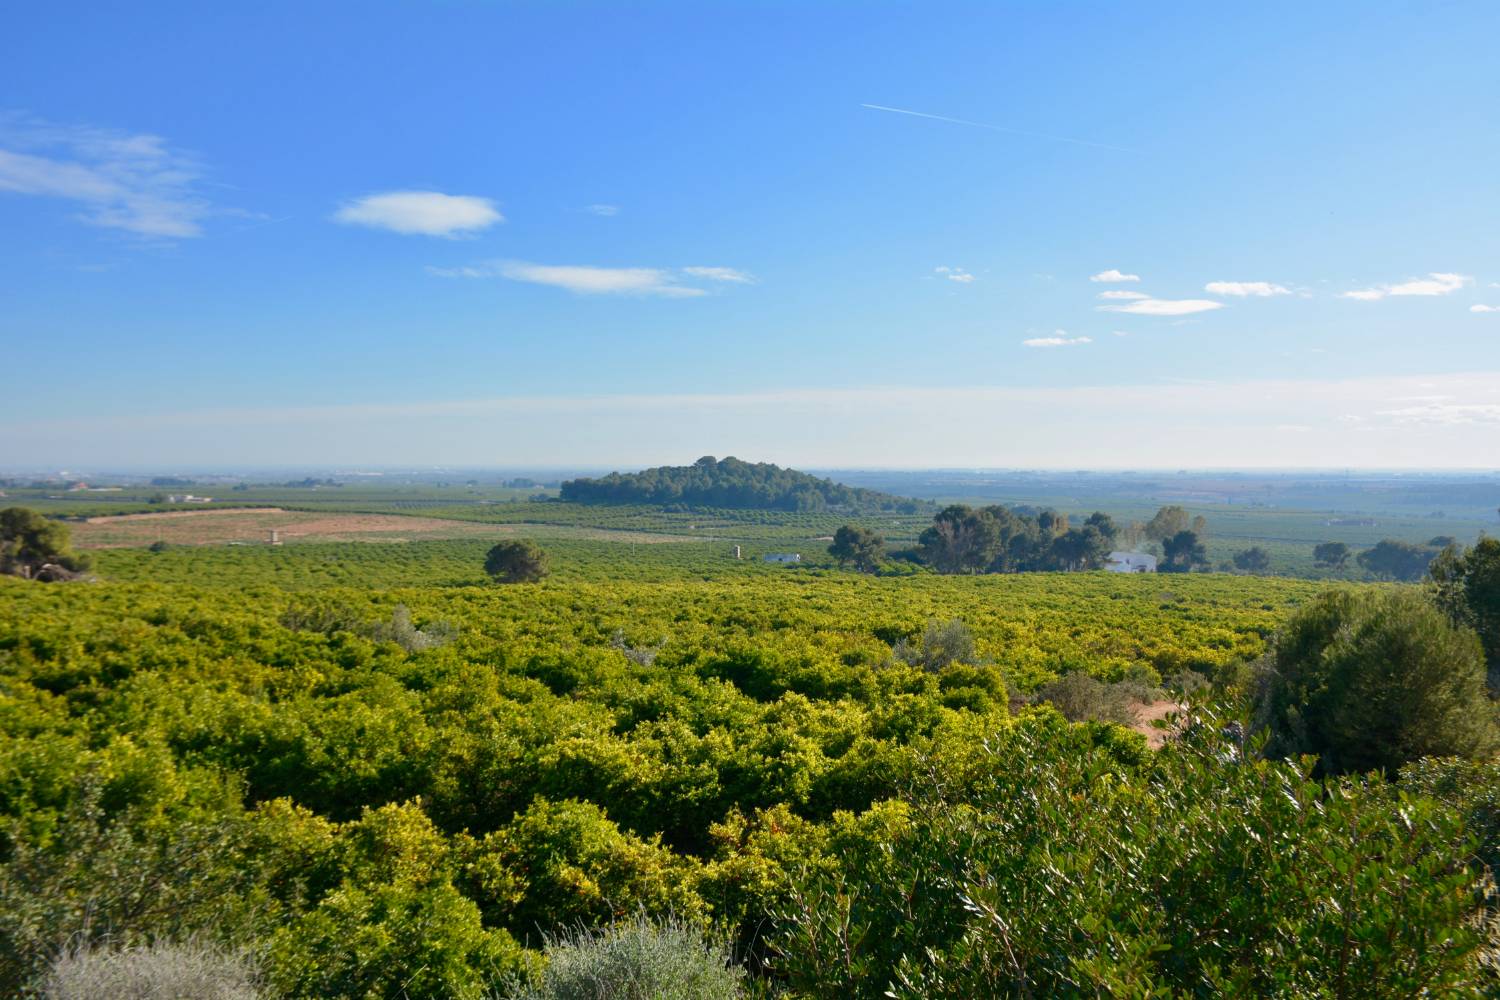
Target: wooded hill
point(731, 483)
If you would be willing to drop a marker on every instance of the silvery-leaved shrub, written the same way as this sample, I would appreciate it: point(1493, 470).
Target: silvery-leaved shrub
point(635, 959)
point(158, 971)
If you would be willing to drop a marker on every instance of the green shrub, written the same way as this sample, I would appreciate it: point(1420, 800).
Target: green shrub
point(636, 959)
point(1375, 679)
point(1058, 872)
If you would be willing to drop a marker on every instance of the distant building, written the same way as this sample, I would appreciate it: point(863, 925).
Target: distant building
point(783, 557)
point(188, 498)
point(1130, 562)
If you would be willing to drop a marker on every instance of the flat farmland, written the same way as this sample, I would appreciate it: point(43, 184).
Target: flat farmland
point(252, 525)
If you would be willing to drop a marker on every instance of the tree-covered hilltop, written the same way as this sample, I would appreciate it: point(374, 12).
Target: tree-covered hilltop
point(731, 483)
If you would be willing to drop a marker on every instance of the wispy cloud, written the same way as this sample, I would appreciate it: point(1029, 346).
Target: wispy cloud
point(421, 213)
point(1106, 423)
point(134, 182)
point(957, 274)
point(730, 274)
point(583, 279)
point(1445, 414)
point(1436, 283)
point(605, 210)
point(1060, 338)
point(997, 128)
point(1480, 307)
point(1242, 289)
point(1123, 294)
point(1114, 275)
point(1163, 307)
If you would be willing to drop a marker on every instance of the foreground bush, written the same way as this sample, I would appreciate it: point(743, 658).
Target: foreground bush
point(1375, 679)
point(637, 959)
point(1061, 873)
point(160, 971)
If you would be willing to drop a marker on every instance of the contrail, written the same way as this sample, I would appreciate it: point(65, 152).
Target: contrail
point(1000, 128)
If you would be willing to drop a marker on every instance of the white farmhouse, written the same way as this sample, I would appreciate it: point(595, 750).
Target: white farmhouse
point(1130, 562)
point(783, 557)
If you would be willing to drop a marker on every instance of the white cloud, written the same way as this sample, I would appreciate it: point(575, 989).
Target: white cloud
point(129, 181)
point(1480, 307)
point(1113, 275)
point(1060, 339)
point(730, 274)
point(1261, 289)
point(1120, 333)
point(1436, 283)
point(584, 279)
point(421, 213)
point(1163, 307)
point(605, 210)
point(957, 274)
point(1122, 294)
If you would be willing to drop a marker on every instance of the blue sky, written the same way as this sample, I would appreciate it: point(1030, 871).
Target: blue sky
point(488, 234)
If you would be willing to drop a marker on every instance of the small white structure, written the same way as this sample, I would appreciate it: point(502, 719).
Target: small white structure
point(783, 557)
point(1130, 562)
point(188, 498)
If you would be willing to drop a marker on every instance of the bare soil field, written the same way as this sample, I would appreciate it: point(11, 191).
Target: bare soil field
point(253, 525)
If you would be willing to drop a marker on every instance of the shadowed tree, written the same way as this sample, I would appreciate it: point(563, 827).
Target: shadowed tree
point(860, 546)
point(1182, 553)
point(961, 540)
point(518, 561)
point(36, 548)
point(1375, 680)
point(1332, 555)
point(1468, 590)
point(1252, 560)
point(1393, 560)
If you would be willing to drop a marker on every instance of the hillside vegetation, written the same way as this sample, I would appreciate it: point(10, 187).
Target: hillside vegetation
point(733, 484)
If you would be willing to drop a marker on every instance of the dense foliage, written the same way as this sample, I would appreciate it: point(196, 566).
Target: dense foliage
point(454, 789)
point(1468, 589)
point(1376, 680)
point(863, 548)
point(729, 483)
point(1060, 865)
point(516, 561)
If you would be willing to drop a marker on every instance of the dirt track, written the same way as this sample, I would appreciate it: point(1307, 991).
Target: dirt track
point(1147, 714)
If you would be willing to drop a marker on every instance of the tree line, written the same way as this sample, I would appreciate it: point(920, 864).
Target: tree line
point(997, 539)
point(731, 483)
